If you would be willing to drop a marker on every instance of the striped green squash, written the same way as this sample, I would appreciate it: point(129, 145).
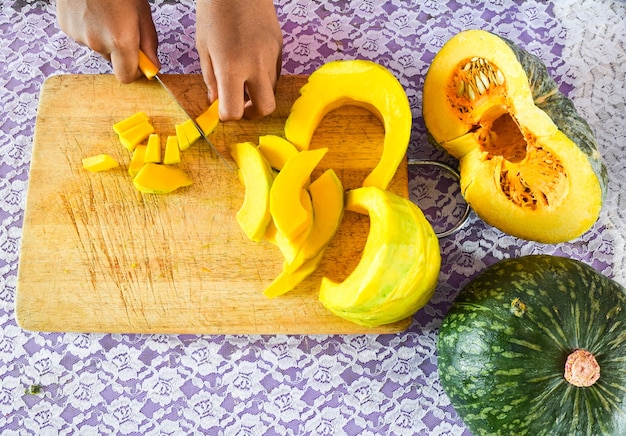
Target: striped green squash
point(523, 344)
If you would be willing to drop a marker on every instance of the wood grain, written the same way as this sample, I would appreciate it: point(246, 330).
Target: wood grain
point(98, 256)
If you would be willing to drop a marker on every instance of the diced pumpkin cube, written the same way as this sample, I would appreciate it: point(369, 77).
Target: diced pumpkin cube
point(132, 121)
point(153, 149)
point(209, 119)
point(172, 152)
point(135, 135)
point(137, 161)
point(183, 143)
point(155, 178)
point(100, 162)
point(191, 131)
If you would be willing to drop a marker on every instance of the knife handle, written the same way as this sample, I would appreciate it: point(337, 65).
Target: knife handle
point(146, 66)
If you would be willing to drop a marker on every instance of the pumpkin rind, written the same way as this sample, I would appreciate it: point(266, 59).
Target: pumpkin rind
point(529, 163)
point(503, 346)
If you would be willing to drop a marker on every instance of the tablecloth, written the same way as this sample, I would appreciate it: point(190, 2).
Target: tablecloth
point(87, 384)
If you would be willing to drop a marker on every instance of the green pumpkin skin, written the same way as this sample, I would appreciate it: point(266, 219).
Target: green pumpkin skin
point(502, 349)
point(561, 110)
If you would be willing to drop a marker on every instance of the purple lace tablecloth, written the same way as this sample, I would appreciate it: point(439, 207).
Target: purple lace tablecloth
point(319, 385)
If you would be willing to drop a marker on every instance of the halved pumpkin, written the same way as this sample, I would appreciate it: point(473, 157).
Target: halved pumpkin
point(529, 163)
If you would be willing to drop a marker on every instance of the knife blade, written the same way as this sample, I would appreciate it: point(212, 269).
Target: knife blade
point(151, 71)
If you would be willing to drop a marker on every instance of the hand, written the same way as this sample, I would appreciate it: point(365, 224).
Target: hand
point(116, 29)
point(240, 47)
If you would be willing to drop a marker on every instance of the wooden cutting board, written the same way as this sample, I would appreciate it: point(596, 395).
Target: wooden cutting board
point(98, 256)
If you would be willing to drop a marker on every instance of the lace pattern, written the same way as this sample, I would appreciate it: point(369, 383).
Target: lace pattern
point(320, 385)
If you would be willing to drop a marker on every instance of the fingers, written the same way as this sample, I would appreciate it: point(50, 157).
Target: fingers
point(125, 62)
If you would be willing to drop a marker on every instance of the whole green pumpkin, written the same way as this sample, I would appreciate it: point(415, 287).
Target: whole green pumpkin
point(537, 346)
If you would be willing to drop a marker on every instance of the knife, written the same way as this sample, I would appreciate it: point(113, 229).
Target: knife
point(151, 72)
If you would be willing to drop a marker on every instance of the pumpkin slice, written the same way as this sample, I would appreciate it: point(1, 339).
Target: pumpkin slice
point(529, 164)
point(155, 178)
point(287, 280)
point(535, 345)
point(137, 160)
point(254, 214)
point(209, 119)
point(135, 135)
point(100, 162)
point(277, 150)
point(362, 83)
point(288, 212)
point(290, 248)
point(172, 151)
point(398, 271)
point(153, 149)
point(328, 199)
point(132, 121)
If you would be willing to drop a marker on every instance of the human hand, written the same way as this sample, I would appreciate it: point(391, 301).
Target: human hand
point(116, 29)
point(240, 47)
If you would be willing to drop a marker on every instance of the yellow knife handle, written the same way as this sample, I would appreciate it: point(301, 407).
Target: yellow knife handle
point(146, 66)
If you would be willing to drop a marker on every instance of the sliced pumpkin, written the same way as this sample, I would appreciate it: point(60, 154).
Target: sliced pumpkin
point(361, 83)
point(191, 132)
point(100, 162)
point(529, 164)
point(156, 178)
point(327, 197)
point(172, 152)
point(209, 119)
point(290, 248)
point(277, 150)
point(398, 271)
point(153, 149)
point(254, 214)
point(137, 160)
point(288, 212)
point(287, 280)
point(131, 121)
point(135, 135)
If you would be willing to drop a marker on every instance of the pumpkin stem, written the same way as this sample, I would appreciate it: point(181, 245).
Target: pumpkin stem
point(581, 369)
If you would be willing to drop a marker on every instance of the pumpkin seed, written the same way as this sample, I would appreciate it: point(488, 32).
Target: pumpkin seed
point(479, 85)
point(499, 77)
point(470, 93)
point(460, 88)
point(484, 79)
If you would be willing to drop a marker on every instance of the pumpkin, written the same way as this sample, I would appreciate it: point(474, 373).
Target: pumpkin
point(529, 163)
point(254, 214)
point(359, 83)
point(155, 178)
point(398, 270)
point(100, 162)
point(536, 345)
point(288, 212)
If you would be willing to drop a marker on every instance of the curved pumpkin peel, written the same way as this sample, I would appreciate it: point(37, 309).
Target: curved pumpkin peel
point(529, 163)
point(399, 268)
point(362, 83)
